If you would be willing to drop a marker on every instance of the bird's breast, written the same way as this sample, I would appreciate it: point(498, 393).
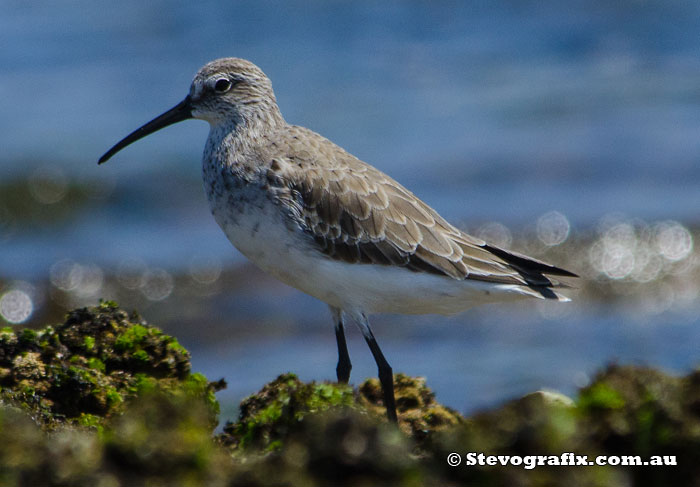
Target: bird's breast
point(256, 225)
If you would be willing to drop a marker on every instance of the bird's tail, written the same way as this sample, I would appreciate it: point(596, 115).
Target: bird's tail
point(537, 274)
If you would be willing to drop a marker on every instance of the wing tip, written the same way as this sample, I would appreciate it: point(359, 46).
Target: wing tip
point(528, 264)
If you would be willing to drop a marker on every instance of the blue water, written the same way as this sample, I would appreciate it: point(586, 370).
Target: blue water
point(472, 361)
point(488, 110)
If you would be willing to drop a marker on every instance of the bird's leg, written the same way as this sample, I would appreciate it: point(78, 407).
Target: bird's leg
point(344, 366)
point(386, 375)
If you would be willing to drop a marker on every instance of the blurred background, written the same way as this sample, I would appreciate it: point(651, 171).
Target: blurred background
point(566, 130)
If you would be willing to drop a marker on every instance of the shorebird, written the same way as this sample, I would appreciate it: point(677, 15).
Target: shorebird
point(319, 219)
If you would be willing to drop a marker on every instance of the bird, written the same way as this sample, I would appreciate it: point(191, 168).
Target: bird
point(319, 219)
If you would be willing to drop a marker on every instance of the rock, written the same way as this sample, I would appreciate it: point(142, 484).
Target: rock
point(267, 418)
point(84, 370)
point(420, 415)
point(106, 399)
point(641, 411)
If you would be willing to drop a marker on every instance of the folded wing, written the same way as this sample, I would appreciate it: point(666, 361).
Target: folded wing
point(358, 214)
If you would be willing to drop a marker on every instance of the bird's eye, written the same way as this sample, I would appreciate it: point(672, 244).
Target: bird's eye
point(223, 85)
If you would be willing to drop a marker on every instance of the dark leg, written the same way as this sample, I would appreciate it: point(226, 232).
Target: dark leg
point(386, 375)
point(344, 366)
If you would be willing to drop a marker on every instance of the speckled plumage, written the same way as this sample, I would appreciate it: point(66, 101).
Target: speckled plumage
point(321, 220)
point(353, 212)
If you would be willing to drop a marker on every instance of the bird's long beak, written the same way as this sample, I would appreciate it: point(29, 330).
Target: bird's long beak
point(178, 113)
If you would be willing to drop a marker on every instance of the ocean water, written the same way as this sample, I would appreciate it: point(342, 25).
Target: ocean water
point(497, 111)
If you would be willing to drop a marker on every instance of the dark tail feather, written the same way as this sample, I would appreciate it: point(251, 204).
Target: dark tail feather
point(528, 265)
point(536, 273)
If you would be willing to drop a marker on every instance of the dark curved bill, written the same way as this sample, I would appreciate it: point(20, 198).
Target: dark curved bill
point(178, 113)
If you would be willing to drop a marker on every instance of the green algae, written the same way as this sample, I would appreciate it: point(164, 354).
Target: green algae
point(92, 364)
point(90, 412)
point(158, 440)
point(89, 343)
point(660, 415)
point(420, 415)
point(97, 364)
point(166, 439)
point(132, 338)
point(269, 415)
point(600, 396)
point(631, 411)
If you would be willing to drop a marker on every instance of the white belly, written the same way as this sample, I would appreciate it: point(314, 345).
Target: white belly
point(264, 235)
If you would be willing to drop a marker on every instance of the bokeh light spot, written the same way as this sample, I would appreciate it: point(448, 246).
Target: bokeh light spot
point(157, 284)
point(553, 228)
point(496, 234)
point(83, 280)
point(205, 269)
point(48, 185)
point(673, 240)
point(16, 306)
point(130, 273)
point(65, 275)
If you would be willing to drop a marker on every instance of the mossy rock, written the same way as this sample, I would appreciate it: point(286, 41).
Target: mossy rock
point(337, 447)
point(266, 418)
point(629, 410)
point(317, 434)
point(85, 369)
point(540, 423)
point(167, 438)
point(160, 439)
point(640, 408)
point(123, 408)
point(419, 414)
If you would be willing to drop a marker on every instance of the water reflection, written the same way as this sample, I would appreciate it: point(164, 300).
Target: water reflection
point(16, 305)
point(205, 270)
point(673, 240)
point(553, 228)
point(130, 273)
point(640, 251)
point(157, 284)
point(496, 234)
point(650, 266)
point(48, 184)
point(7, 224)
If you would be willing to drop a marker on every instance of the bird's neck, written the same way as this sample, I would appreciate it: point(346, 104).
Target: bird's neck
point(250, 124)
point(232, 143)
point(261, 119)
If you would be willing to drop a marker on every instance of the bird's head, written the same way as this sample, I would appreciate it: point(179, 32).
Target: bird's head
point(228, 92)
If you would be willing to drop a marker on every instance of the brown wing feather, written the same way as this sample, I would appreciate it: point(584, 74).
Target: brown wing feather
point(357, 214)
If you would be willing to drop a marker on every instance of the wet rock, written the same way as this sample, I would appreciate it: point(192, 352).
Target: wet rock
point(420, 415)
point(164, 439)
point(105, 399)
point(266, 418)
point(84, 370)
point(634, 412)
point(161, 439)
point(642, 411)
